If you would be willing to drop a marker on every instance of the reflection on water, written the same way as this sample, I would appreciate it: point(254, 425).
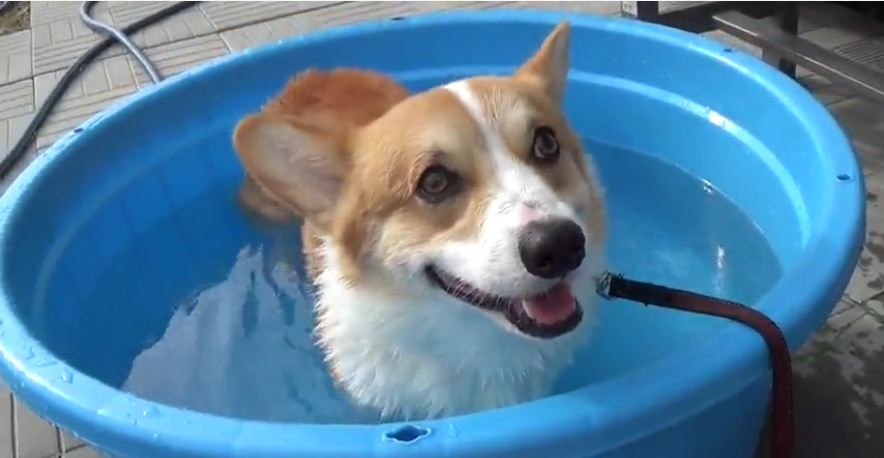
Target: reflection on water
point(250, 333)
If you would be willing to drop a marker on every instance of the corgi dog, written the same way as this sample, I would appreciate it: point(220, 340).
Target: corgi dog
point(454, 236)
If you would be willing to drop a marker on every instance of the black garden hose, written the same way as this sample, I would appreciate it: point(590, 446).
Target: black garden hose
point(21, 147)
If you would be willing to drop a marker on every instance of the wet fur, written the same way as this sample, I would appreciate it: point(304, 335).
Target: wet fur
point(343, 151)
point(341, 98)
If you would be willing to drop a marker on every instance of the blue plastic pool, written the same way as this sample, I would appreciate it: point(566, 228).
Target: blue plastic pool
point(141, 309)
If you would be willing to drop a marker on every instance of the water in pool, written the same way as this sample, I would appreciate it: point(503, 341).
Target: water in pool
point(203, 310)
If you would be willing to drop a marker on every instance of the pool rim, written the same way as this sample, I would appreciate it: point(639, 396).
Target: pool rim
point(739, 353)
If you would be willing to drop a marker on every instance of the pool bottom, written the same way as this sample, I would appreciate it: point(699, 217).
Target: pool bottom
point(209, 312)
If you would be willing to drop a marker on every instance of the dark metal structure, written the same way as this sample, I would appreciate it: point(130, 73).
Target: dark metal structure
point(779, 40)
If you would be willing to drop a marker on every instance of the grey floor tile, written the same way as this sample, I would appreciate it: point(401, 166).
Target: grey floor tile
point(118, 71)
point(839, 385)
point(173, 58)
point(864, 122)
point(16, 99)
point(71, 112)
point(98, 87)
point(54, 11)
point(125, 13)
point(824, 90)
point(55, 48)
point(868, 279)
point(83, 452)
point(806, 22)
point(598, 8)
point(60, 41)
point(227, 15)
point(45, 83)
point(668, 7)
point(11, 130)
point(36, 438)
point(107, 74)
point(60, 37)
point(867, 52)
point(835, 36)
point(294, 25)
point(5, 423)
point(840, 29)
point(824, 14)
point(337, 15)
point(70, 442)
point(186, 24)
point(15, 57)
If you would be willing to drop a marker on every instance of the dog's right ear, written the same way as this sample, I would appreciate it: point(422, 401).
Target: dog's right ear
point(549, 65)
point(301, 165)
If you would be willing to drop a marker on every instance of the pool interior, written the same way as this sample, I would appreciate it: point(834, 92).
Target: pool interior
point(170, 292)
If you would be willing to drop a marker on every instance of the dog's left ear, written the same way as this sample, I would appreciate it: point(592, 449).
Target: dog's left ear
point(548, 67)
point(300, 165)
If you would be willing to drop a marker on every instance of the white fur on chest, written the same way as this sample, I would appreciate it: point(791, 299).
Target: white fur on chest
point(412, 356)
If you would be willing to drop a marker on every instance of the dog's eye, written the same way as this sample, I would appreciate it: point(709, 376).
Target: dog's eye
point(545, 148)
point(437, 183)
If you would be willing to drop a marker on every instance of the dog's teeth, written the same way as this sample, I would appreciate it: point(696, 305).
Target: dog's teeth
point(526, 309)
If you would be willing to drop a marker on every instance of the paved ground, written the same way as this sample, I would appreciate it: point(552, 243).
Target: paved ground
point(840, 384)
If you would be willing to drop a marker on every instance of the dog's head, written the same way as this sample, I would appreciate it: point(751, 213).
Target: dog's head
point(478, 191)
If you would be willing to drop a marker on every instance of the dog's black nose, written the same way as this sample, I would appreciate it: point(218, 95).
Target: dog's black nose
point(551, 248)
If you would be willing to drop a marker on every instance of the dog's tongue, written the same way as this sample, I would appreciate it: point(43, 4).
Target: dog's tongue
point(551, 306)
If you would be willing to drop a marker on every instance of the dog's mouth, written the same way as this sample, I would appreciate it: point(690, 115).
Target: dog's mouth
point(549, 314)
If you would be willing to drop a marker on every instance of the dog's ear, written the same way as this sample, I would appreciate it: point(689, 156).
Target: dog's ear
point(301, 165)
point(548, 67)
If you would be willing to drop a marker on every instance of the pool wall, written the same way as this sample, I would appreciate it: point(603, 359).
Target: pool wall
point(757, 136)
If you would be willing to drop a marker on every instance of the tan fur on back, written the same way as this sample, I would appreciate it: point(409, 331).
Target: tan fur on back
point(339, 99)
point(344, 98)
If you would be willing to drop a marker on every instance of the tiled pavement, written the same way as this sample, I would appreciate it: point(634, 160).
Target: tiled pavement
point(840, 385)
